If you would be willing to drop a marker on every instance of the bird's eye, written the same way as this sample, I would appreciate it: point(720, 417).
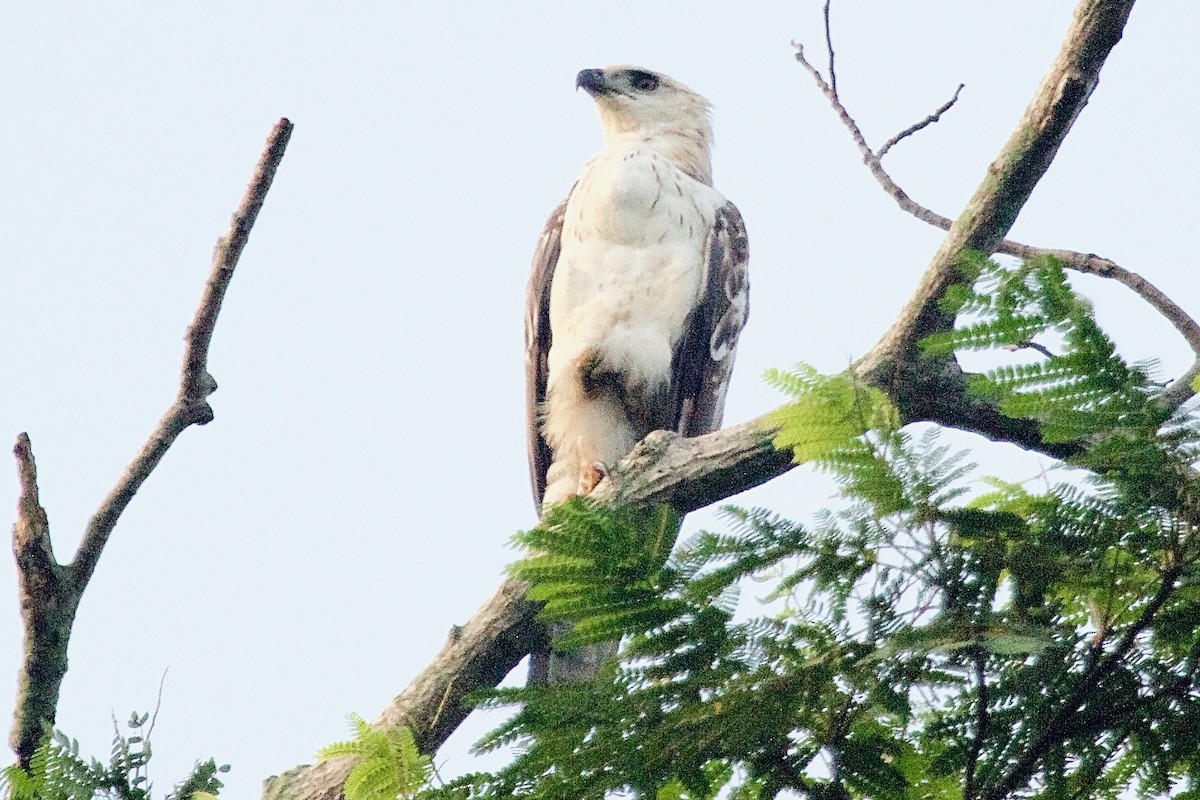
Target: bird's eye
point(643, 81)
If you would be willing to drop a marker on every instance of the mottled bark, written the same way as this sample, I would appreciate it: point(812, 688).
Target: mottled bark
point(48, 605)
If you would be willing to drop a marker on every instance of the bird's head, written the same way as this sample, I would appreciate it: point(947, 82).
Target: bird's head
point(636, 101)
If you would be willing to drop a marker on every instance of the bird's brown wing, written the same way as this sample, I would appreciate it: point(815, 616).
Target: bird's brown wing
point(537, 347)
point(703, 360)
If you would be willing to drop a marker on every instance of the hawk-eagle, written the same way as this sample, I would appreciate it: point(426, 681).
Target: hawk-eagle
point(638, 290)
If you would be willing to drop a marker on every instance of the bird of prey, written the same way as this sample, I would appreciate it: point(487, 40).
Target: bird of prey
point(637, 295)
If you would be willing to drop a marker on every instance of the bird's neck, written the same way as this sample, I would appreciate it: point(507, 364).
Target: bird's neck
point(688, 149)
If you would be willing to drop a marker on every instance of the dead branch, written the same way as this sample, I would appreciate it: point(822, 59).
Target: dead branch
point(989, 214)
point(917, 126)
point(50, 592)
point(829, 49)
point(695, 472)
point(1090, 263)
point(195, 383)
point(47, 611)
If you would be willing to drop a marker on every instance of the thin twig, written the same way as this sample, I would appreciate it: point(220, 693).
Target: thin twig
point(157, 705)
point(870, 158)
point(1093, 264)
point(1180, 390)
point(829, 49)
point(831, 95)
point(196, 383)
point(191, 405)
point(916, 126)
point(1041, 348)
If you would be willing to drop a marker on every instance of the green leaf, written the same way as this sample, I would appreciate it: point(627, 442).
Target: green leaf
point(1011, 643)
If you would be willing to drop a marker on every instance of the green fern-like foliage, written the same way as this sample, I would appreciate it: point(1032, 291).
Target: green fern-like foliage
point(938, 636)
point(843, 427)
point(389, 764)
point(58, 772)
point(599, 568)
point(949, 646)
point(202, 783)
point(1084, 390)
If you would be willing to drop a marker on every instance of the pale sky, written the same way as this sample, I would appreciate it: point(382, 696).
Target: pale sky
point(305, 554)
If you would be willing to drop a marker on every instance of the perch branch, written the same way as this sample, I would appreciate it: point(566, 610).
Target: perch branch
point(695, 472)
point(50, 592)
point(664, 468)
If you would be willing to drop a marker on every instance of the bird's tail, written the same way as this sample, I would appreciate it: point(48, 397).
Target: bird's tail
point(549, 667)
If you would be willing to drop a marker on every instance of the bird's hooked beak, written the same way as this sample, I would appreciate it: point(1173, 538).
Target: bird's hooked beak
point(591, 81)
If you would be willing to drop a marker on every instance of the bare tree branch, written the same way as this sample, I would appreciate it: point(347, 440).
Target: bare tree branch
point(195, 384)
point(829, 49)
point(1090, 263)
point(50, 592)
point(1010, 179)
point(694, 472)
point(831, 95)
point(917, 126)
point(31, 532)
point(47, 610)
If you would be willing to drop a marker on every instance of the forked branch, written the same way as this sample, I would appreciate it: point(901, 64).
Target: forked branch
point(50, 592)
point(1090, 263)
point(195, 383)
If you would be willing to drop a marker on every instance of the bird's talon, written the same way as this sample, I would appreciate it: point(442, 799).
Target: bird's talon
point(590, 476)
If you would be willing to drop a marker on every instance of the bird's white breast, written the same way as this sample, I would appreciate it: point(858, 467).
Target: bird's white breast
point(631, 266)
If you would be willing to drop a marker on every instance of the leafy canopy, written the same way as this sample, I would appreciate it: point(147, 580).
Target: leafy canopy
point(925, 641)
